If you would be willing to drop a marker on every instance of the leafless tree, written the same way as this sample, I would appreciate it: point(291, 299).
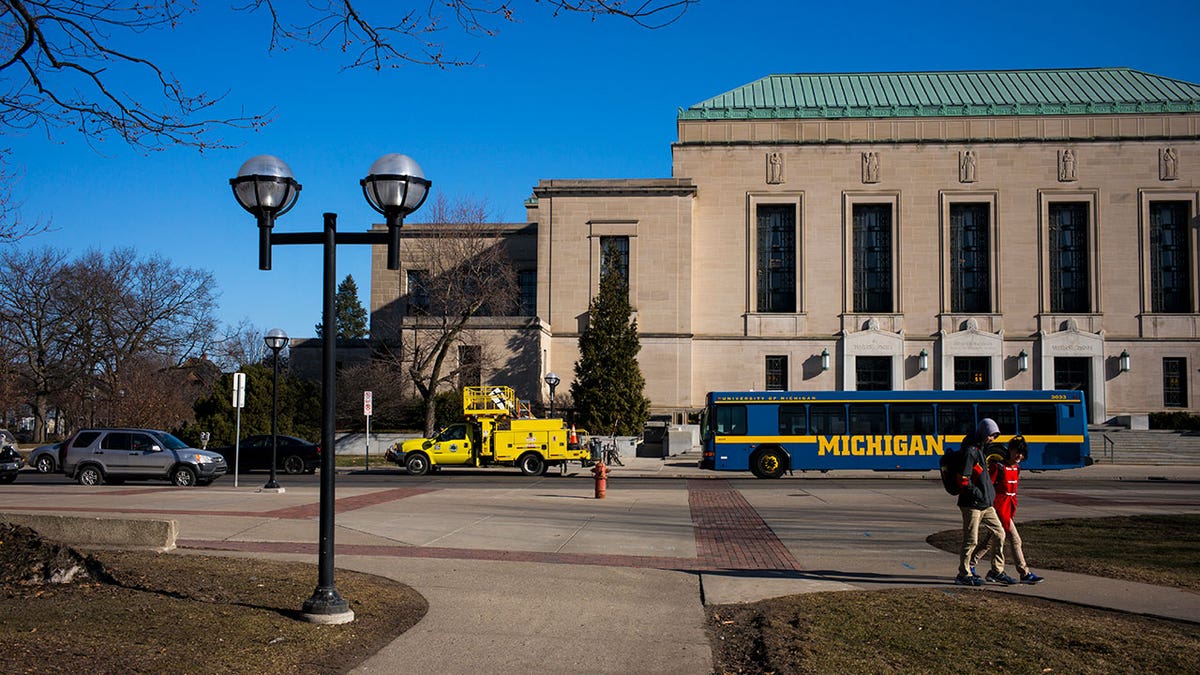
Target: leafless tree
point(37, 332)
point(79, 330)
point(466, 275)
point(238, 346)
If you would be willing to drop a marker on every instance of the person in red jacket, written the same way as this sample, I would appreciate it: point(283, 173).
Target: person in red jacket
point(1006, 475)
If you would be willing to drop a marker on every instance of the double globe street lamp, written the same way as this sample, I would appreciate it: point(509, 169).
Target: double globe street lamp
point(266, 187)
point(276, 340)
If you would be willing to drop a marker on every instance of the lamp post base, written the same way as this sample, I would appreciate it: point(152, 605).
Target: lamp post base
point(327, 607)
point(277, 489)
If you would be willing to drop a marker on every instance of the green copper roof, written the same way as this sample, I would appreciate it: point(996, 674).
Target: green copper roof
point(1080, 91)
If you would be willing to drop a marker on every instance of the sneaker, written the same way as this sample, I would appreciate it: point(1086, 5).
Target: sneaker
point(1000, 578)
point(1030, 578)
point(964, 580)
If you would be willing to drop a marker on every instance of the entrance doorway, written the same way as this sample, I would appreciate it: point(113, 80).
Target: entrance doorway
point(1075, 373)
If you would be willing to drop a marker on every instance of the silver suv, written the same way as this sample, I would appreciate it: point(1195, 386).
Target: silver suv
point(95, 456)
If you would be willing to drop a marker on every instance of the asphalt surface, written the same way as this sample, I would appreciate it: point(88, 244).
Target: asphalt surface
point(535, 575)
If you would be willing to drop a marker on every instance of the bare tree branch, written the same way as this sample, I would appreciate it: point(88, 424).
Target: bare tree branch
point(61, 64)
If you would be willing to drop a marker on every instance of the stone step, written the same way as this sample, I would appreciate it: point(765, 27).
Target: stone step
point(1125, 446)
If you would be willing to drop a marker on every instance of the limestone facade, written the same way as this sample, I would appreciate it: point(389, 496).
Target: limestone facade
point(695, 243)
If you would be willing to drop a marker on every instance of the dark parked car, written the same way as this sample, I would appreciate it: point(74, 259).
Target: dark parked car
point(293, 455)
point(10, 464)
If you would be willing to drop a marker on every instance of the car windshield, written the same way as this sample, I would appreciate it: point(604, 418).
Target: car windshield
point(169, 442)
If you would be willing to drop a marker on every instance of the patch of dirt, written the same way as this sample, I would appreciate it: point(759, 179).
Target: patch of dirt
point(140, 612)
point(26, 558)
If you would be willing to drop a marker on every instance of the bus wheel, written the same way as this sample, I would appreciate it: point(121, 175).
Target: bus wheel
point(767, 464)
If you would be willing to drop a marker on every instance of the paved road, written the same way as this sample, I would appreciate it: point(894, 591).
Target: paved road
point(537, 576)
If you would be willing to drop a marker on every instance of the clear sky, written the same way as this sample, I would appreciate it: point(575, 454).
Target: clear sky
point(561, 97)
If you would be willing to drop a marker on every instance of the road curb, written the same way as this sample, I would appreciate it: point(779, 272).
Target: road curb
point(124, 533)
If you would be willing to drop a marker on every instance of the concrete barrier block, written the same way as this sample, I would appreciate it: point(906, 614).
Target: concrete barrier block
point(123, 533)
point(682, 438)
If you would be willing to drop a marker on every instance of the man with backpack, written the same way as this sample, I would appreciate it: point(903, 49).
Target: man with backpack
point(975, 501)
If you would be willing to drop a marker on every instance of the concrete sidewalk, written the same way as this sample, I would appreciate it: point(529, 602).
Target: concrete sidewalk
point(537, 576)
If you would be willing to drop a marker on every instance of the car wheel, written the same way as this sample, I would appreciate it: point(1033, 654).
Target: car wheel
point(183, 476)
point(293, 464)
point(531, 464)
point(44, 464)
point(417, 464)
point(90, 475)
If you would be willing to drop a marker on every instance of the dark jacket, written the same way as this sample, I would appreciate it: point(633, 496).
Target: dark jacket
point(979, 493)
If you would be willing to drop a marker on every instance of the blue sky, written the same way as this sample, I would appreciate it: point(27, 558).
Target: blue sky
point(562, 97)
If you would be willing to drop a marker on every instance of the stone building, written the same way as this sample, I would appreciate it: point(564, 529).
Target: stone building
point(1027, 229)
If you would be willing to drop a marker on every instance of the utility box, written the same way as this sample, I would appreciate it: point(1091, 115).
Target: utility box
point(654, 436)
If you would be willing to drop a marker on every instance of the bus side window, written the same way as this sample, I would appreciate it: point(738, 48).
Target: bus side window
point(867, 419)
point(911, 419)
point(1003, 414)
point(1037, 419)
point(731, 420)
point(792, 420)
point(828, 419)
point(955, 419)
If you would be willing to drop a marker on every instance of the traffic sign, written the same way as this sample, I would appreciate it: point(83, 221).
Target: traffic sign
point(367, 403)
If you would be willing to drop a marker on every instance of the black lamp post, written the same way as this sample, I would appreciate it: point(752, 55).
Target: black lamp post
point(276, 340)
point(265, 186)
point(552, 380)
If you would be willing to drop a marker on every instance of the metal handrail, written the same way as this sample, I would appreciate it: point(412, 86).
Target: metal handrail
point(1110, 449)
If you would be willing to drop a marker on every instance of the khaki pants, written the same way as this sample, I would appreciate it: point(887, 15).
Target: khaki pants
point(1012, 538)
point(972, 520)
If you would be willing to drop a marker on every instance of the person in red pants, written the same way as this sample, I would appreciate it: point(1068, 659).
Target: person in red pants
point(1006, 475)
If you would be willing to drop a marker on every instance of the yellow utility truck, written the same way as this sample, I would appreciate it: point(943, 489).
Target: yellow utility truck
point(495, 432)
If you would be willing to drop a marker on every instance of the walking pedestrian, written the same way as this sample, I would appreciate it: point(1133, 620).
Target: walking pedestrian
point(1005, 476)
point(975, 503)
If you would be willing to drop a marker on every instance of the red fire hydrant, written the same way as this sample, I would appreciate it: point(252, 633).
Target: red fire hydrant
point(600, 474)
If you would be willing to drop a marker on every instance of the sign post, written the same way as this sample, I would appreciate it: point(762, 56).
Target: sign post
point(239, 402)
point(367, 396)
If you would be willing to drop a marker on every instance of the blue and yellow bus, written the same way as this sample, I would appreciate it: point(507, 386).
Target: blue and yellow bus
point(772, 432)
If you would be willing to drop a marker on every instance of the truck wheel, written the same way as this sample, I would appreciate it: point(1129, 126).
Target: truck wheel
point(531, 464)
point(768, 464)
point(417, 464)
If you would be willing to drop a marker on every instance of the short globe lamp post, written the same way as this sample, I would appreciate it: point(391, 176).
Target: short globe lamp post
point(552, 380)
point(276, 340)
point(266, 188)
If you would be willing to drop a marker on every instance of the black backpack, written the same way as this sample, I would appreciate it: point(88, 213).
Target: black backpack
point(951, 467)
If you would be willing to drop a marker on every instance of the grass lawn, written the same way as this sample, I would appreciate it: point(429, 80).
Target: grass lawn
point(958, 630)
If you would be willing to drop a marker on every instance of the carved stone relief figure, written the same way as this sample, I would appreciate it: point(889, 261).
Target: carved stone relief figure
point(966, 166)
point(1168, 164)
point(774, 168)
point(870, 167)
point(1066, 166)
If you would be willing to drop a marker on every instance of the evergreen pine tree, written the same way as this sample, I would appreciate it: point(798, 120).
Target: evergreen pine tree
point(351, 316)
point(608, 382)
